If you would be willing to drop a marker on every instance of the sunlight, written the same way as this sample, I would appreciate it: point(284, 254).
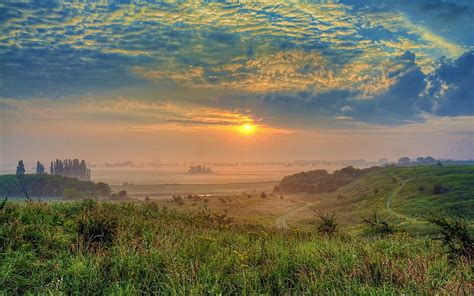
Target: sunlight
point(247, 128)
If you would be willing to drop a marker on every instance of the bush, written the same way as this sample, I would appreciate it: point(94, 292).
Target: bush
point(70, 193)
point(96, 229)
point(455, 236)
point(263, 195)
point(103, 189)
point(178, 199)
point(122, 194)
point(328, 224)
point(439, 189)
point(377, 226)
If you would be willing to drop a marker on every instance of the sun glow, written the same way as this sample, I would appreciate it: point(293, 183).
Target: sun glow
point(247, 128)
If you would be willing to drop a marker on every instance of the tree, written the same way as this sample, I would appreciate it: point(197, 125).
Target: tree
point(20, 169)
point(103, 189)
point(39, 168)
point(404, 161)
point(71, 193)
point(122, 194)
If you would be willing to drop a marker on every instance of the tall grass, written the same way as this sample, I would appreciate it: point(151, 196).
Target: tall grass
point(150, 249)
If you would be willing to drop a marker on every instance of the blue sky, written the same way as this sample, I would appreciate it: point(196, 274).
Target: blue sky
point(294, 69)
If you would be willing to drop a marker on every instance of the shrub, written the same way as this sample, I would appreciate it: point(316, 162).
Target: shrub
point(328, 224)
point(70, 193)
point(103, 189)
point(122, 194)
point(221, 219)
point(178, 199)
point(4, 202)
point(455, 236)
point(377, 226)
point(96, 229)
point(263, 195)
point(439, 189)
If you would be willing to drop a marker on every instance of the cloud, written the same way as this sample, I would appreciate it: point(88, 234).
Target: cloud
point(344, 62)
point(452, 87)
point(411, 95)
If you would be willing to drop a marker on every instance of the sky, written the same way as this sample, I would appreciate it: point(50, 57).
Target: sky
point(135, 80)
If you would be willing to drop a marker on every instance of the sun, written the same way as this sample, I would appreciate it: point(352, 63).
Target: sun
point(247, 128)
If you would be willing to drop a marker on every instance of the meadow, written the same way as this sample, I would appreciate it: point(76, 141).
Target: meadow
point(243, 244)
point(92, 248)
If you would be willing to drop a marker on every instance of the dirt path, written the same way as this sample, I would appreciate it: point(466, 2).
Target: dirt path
point(390, 199)
point(281, 222)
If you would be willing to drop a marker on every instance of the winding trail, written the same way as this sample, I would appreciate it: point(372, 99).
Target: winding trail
point(281, 222)
point(390, 199)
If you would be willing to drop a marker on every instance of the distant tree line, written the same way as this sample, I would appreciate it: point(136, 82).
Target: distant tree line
point(72, 168)
point(45, 185)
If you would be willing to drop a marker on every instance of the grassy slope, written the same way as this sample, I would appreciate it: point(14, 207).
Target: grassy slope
point(408, 190)
point(397, 186)
point(43, 251)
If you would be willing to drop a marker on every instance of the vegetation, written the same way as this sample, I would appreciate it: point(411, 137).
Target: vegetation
point(456, 237)
point(43, 185)
point(72, 168)
point(320, 181)
point(328, 224)
point(92, 248)
point(377, 226)
point(402, 196)
point(40, 168)
point(20, 169)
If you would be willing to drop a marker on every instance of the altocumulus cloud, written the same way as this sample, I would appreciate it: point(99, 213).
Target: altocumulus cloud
point(448, 91)
point(375, 62)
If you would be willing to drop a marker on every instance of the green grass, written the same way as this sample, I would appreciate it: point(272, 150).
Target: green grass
point(408, 192)
point(56, 248)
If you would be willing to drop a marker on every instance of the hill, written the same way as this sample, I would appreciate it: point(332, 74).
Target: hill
point(45, 185)
point(403, 195)
point(320, 181)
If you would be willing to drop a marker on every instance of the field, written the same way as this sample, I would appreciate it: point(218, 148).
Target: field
point(402, 195)
point(243, 243)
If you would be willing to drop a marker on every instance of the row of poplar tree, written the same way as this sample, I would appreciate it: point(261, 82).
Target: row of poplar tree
point(73, 168)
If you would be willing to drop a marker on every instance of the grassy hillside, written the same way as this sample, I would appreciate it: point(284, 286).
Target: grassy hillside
point(124, 248)
point(402, 195)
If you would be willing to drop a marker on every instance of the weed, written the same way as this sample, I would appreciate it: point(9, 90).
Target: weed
point(328, 223)
point(455, 236)
point(377, 226)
